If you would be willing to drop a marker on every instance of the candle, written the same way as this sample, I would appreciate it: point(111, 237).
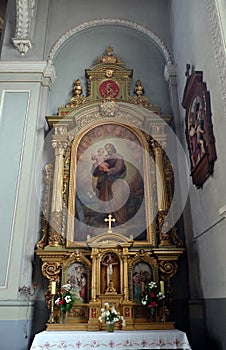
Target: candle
point(162, 288)
point(53, 287)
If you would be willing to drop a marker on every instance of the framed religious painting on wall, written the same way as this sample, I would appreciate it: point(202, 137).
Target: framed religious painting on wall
point(110, 173)
point(199, 128)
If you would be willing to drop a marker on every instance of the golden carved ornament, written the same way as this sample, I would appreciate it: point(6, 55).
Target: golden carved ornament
point(52, 270)
point(168, 269)
point(108, 57)
point(48, 179)
point(77, 99)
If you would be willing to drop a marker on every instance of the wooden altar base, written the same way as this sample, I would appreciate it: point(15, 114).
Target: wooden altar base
point(153, 326)
point(67, 326)
point(84, 326)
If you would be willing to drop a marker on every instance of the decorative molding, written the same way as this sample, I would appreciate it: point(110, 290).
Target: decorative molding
point(108, 21)
point(48, 71)
point(108, 108)
point(219, 49)
point(170, 74)
point(22, 45)
point(24, 18)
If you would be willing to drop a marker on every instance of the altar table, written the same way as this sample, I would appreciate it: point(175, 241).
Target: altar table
point(102, 340)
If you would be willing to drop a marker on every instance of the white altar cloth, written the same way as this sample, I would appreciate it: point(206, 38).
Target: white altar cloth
point(102, 340)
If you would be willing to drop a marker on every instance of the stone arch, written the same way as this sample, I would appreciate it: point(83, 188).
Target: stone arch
point(107, 21)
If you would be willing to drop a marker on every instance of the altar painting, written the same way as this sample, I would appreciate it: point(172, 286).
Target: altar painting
point(142, 275)
point(77, 277)
point(110, 176)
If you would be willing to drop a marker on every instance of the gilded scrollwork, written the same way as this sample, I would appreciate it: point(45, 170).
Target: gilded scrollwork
point(52, 270)
point(108, 108)
point(48, 179)
point(55, 231)
point(168, 269)
point(176, 239)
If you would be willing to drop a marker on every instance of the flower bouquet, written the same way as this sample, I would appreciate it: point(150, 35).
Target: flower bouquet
point(65, 299)
point(110, 316)
point(152, 297)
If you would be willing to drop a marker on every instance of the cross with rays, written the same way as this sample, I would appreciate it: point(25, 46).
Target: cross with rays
point(109, 220)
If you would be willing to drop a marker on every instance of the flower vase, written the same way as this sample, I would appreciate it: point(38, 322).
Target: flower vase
point(62, 316)
point(152, 315)
point(110, 326)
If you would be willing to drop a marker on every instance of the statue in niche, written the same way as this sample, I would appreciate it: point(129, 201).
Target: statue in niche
point(110, 261)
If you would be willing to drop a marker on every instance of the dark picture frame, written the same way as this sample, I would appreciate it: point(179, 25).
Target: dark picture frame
point(199, 128)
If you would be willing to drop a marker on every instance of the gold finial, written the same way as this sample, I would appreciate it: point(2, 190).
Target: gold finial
point(77, 88)
point(77, 99)
point(108, 57)
point(109, 220)
point(109, 51)
point(139, 89)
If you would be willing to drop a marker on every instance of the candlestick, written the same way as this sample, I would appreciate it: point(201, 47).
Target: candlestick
point(162, 287)
point(51, 316)
point(53, 287)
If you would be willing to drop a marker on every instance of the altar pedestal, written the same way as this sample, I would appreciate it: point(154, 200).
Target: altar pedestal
point(120, 340)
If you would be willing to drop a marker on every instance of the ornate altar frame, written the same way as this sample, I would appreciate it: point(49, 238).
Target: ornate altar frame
point(63, 247)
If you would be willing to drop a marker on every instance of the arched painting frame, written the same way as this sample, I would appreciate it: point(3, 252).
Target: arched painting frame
point(86, 217)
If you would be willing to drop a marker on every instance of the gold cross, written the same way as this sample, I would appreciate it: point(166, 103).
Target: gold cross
point(109, 220)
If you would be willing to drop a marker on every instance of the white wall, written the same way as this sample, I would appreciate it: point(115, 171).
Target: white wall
point(196, 40)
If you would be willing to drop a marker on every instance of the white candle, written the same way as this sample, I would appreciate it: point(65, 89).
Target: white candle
point(53, 287)
point(162, 287)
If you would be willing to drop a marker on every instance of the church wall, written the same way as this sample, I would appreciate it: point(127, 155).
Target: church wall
point(21, 136)
point(53, 20)
point(10, 127)
point(138, 52)
point(192, 32)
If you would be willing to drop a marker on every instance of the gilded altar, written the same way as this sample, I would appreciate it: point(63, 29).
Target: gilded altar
point(106, 219)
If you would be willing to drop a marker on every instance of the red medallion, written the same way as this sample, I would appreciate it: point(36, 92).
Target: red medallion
point(109, 88)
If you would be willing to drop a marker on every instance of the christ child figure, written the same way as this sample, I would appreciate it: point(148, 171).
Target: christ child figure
point(100, 158)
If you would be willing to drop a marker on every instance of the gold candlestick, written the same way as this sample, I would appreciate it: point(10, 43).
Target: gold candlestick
point(51, 317)
point(53, 292)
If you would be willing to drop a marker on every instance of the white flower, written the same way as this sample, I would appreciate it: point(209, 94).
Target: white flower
point(57, 301)
point(67, 287)
point(152, 284)
point(160, 296)
point(144, 302)
point(68, 299)
point(123, 321)
point(106, 305)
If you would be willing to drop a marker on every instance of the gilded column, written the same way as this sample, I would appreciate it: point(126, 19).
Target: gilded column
point(59, 143)
point(162, 197)
point(125, 275)
point(94, 273)
point(160, 179)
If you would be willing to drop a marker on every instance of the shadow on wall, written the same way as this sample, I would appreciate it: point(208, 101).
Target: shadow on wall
point(41, 311)
point(215, 311)
point(213, 344)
